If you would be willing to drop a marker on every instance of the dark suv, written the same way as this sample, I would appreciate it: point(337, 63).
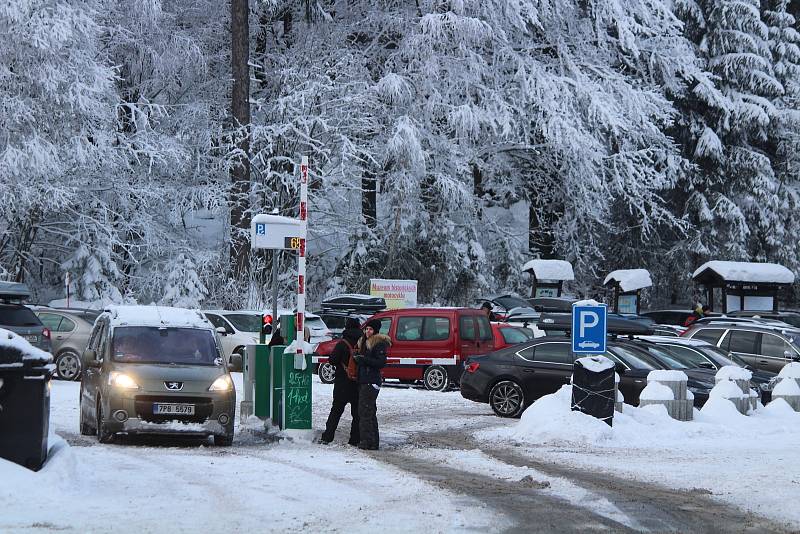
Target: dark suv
point(19, 318)
point(762, 347)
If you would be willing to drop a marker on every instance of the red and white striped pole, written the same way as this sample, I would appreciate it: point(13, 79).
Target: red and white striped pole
point(301, 258)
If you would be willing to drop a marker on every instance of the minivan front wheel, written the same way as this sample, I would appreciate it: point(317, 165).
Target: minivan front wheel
point(103, 434)
point(507, 399)
point(435, 378)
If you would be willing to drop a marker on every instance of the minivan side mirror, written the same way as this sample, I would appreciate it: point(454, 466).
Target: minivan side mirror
point(221, 331)
point(89, 358)
point(236, 362)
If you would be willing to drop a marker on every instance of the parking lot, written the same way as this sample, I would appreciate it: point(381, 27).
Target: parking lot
point(446, 465)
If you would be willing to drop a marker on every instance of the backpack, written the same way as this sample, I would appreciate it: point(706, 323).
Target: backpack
point(350, 368)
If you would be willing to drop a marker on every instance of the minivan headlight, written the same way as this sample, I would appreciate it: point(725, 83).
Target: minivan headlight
point(223, 383)
point(122, 381)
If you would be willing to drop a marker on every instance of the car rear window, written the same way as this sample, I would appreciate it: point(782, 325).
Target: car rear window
point(710, 335)
point(743, 341)
point(466, 324)
point(423, 328)
point(245, 322)
point(513, 335)
point(148, 344)
point(484, 328)
point(18, 316)
point(635, 359)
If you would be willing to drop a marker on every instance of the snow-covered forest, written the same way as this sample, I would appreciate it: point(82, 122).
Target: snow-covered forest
point(449, 140)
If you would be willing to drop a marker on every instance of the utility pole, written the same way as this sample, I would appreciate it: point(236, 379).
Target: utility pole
point(240, 112)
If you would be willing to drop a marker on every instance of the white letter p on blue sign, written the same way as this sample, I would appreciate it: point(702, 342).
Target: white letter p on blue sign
point(588, 319)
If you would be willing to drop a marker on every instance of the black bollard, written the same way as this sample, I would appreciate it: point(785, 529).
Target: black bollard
point(593, 387)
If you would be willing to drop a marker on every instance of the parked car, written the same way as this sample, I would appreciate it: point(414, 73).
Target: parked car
point(506, 334)
point(761, 346)
point(156, 370)
point(707, 356)
point(428, 344)
point(237, 330)
point(788, 317)
point(20, 319)
point(69, 333)
point(700, 380)
point(511, 379)
point(668, 330)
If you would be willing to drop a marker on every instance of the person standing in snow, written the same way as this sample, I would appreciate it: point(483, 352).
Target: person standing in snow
point(370, 357)
point(345, 385)
point(487, 309)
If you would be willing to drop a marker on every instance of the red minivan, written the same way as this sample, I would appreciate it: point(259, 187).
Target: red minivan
point(428, 344)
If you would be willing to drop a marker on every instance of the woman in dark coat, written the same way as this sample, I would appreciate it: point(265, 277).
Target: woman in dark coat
point(371, 358)
point(345, 390)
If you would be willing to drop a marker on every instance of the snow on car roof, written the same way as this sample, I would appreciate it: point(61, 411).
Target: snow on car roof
point(739, 271)
point(550, 269)
point(11, 340)
point(156, 316)
point(630, 279)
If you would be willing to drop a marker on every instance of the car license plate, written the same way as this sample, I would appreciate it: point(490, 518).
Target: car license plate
point(173, 409)
point(32, 339)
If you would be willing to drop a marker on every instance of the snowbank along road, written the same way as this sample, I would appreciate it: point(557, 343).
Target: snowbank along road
point(437, 472)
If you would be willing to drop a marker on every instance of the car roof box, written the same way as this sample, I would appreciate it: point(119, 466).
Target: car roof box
point(615, 325)
point(354, 302)
point(14, 291)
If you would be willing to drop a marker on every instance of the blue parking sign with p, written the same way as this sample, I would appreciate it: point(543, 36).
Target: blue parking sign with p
point(589, 330)
point(261, 229)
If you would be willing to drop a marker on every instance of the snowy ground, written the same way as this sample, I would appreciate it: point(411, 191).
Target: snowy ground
point(750, 462)
point(141, 486)
point(442, 469)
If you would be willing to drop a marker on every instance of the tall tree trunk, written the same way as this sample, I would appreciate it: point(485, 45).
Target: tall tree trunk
point(369, 198)
point(240, 110)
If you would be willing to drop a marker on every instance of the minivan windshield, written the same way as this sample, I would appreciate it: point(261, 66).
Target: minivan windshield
point(151, 344)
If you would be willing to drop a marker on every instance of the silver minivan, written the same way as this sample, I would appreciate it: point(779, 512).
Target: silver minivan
point(156, 370)
point(763, 347)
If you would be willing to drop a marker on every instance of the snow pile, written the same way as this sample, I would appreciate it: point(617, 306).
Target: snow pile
point(726, 389)
point(787, 387)
point(630, 279)
point(790, 370)
point(738, 271)
point(733, 372)
point(666, 375)
point(595, 364)
point(9, 341)
point(550, 419)
point(587, 302)
point(656, 392)
point(550, 269)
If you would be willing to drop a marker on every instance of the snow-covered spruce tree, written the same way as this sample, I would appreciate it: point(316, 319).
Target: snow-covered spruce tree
point(731, 198)
point(56, 123)
point(783, 142)
point(183, 288)
point(94, 273)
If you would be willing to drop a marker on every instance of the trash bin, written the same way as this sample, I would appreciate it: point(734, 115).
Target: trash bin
point(24, 406)
point(593, 387)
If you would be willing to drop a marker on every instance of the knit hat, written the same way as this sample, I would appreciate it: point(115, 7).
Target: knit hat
point(375, 324)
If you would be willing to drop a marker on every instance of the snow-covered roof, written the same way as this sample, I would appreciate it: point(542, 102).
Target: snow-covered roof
point(156, 316)
point(11, 340)
point(629, 279)
point(550, 269)
point(740, 271)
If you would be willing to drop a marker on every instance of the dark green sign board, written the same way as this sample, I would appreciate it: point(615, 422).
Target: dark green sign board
point(297, 397)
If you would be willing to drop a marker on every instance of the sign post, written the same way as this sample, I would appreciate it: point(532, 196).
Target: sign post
point(289, 373)
point(589, 328)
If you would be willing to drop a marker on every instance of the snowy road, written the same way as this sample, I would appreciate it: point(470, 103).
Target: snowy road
point(433, 474)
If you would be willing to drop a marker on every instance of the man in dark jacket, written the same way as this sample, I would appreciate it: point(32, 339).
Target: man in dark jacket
point(370, 357)
point(345, 390)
